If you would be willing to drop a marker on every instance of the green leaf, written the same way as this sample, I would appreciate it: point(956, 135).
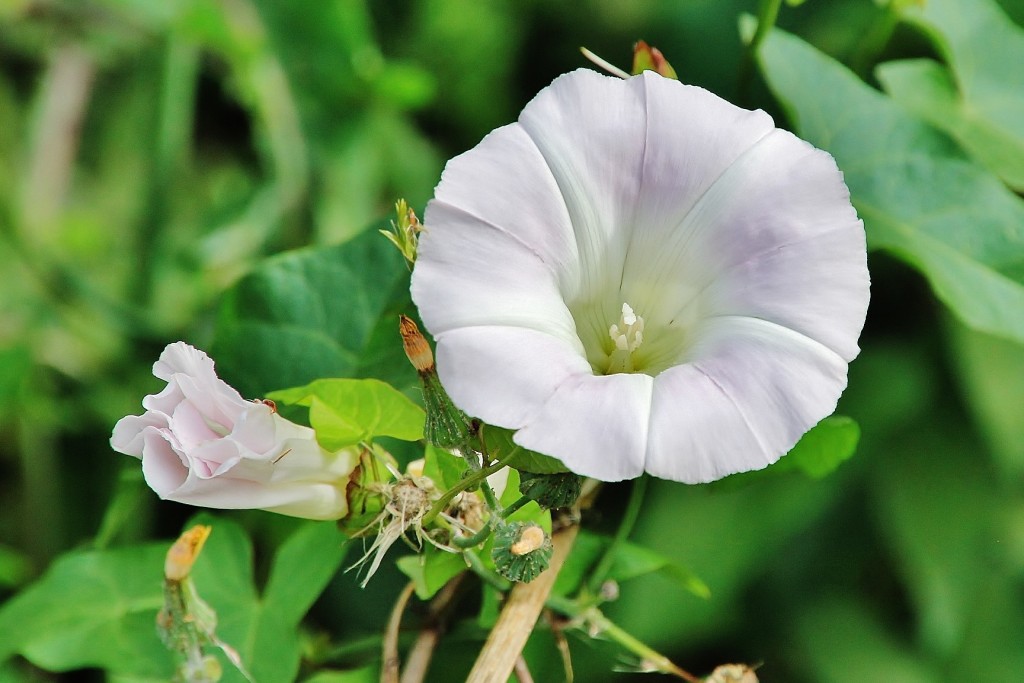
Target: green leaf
point(264, 630)
point(347, 411)
point(312, 313)
point(927, 89)
point(15, 567)
point(443, 468)
point(501, 446)
point(825, 447)
point(920, 198)
point(940, 514)
point(981, 103)
point(431, 570)
point(92, 609)
point(368, 674)
point(840, 641)
point(817, 454)
point(631, 561)
point(990, 374)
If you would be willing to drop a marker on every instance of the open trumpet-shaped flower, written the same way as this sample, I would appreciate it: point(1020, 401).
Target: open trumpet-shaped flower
point(639, 276)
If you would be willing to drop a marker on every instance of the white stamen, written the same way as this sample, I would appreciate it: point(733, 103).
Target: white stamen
point(627, 335)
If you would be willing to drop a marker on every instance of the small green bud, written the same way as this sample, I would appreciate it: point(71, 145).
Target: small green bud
point(404, 233)
point(647, 58)
point(521, 551)
point(551, 490)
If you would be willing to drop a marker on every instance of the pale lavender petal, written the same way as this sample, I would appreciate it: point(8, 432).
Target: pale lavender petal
point(503, 375)
point(590, 129)
point(765, 383)
point(596, 425)
point(163, 468)
point(775, 237)
point(129, 432)
point(457, 284)
point(521, 199)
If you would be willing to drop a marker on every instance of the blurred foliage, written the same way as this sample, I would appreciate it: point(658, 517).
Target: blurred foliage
point(153, 154)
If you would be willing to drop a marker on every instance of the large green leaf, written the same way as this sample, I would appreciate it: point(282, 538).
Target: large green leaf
point(839, 641)
point(980, 99)
point(347, 411)
point(312, 313)
point(631, 561)
point(264, 629)
point(92, 609)
point(919, 196)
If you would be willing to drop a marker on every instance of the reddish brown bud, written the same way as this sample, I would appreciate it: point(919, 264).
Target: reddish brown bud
point(416, 346)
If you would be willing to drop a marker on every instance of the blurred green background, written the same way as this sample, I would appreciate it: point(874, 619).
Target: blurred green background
point(152, 153)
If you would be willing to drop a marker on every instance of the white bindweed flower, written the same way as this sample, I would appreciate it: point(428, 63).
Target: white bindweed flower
point(201, 443)
point(639, 276)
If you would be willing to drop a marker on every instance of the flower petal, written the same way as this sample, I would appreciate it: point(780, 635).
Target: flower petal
point(192, 371)
point(457, 284)
point(590, 130)
point(163, 468)
point(506, 183)
point(775, 238)
point(750, 393)
point(596, 425)
point(503, 375)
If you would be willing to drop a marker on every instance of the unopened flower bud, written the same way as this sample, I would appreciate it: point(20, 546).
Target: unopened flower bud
point(650, 58)
point(551, 490)
point(446, 426)
point(416, 347)
point(521, 551)
point(182, 555)
point(405, 230)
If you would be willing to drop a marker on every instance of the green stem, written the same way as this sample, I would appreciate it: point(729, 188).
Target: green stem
point(767, 14)
point(492, 500)
point(597, 621)
point(485, 574)
point(514, 507)
point(468, 482)
point(629, 517)
point(474, 540)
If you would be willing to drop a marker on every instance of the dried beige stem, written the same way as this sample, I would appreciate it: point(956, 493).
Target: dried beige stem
point(525, 602)
point(390, 661)
point(60, 109)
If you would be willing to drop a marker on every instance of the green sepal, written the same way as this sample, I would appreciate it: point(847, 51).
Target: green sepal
point(500, 446)
point(551, 490)
point(365, 495)
point(446, 426)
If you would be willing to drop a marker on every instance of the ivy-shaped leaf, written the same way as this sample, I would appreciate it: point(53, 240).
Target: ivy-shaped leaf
point(919, 196)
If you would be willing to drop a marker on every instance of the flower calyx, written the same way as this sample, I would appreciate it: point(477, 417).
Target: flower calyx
point(551, 490)
point(522, 550)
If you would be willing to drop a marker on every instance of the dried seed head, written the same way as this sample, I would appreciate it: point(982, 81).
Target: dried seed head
point(533, 537)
